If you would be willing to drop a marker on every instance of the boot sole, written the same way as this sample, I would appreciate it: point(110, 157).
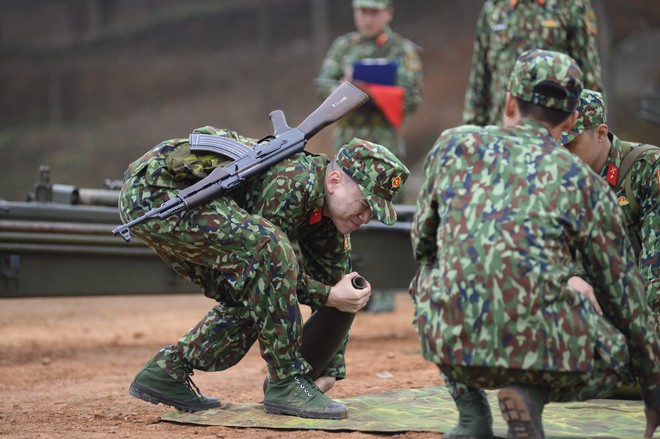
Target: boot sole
point(449, 435)
point(516, 411)
point(281, 409)
point(153, 397)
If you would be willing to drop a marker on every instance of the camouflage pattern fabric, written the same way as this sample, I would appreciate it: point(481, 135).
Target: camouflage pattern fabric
point(643, 228)
point(430, 409)
point(592, 114)
point(500, 214)
point(536, 68)
point(602, 381)
point(238, 251)
point(505, 29)
point(367, 121)
point(372, 4)
point(643, 225)
point(377, 172)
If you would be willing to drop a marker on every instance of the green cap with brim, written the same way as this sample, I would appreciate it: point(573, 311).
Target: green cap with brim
point(378, 173)
point(546, 78)
point(372, 4)
point(592, 114)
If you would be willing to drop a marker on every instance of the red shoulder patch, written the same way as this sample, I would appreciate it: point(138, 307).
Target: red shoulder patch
point(612, 174)
point(315, 216)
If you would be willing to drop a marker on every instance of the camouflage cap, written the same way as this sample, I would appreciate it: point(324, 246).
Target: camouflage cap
point(378, 173)
point(550, 79)
point(591, 111)
point(372, 4)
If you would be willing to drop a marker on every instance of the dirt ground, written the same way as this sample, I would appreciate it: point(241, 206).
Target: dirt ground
point(66, 365)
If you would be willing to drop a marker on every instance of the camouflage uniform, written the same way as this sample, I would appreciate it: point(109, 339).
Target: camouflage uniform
point(643, 225)
point(237, 249)
point(644, 228)
point(498, 216)
point(507, 28)
point(368, 122)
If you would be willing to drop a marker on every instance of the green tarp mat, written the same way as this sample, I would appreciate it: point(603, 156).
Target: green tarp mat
point(432, 409)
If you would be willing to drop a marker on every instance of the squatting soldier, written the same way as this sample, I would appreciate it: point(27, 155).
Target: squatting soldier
point(500, 214)
point(632, 170)
point(237, 249)
point(506, 28)
point(374, 39)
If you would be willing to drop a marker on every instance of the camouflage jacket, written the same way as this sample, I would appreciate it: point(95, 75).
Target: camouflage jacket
point(367, 122)
point(499, 215)
point(644, 228)
point(290, 195)
point(505, 31)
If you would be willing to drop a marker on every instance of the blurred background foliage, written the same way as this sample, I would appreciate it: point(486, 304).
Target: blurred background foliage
point(87, 86)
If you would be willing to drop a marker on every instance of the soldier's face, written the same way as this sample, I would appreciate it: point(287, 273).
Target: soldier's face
point(371, 22)
point(589, 148)
point(346, 205)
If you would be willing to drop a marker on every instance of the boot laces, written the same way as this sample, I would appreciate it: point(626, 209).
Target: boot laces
point(309, 392)
point(193, 387)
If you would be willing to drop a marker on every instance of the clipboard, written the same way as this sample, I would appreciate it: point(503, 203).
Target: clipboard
point(375, 71)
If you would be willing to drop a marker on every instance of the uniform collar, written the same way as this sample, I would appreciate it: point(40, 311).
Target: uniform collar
point(527, 124)
point(381, 39)
point(317, 196)
point(614, 158)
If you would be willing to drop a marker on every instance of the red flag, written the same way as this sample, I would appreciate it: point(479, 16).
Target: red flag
point(389, 99)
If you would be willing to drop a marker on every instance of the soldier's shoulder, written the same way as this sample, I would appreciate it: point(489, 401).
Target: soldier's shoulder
point(304, 164)
point(347, 40)
point(652, 152)
point(407, 44)
point(491, 7)
point(575, 4)
point(458, 130)
point(648, 162)
point(464, 132)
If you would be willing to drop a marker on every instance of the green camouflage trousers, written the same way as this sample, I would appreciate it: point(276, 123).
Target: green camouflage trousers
point(611, 369)
point(239, 259)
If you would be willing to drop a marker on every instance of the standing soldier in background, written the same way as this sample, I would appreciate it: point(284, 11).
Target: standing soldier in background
point(380, 120)
point(500, 215)
point(391, 97)
point(633, 172)
point(506, 28)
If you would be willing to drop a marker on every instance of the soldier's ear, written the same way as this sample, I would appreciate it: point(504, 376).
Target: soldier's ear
point(510, 110)
point(568, 124)
point(333, 180)
point(390, 14)
point(601, 132)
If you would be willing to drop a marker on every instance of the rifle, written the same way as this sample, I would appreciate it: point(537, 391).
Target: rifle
point(284, 142)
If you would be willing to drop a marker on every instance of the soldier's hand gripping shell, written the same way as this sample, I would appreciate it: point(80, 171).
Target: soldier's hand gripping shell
point(349, 298)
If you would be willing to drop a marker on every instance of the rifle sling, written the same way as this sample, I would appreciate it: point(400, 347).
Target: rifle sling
point(630, 157)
